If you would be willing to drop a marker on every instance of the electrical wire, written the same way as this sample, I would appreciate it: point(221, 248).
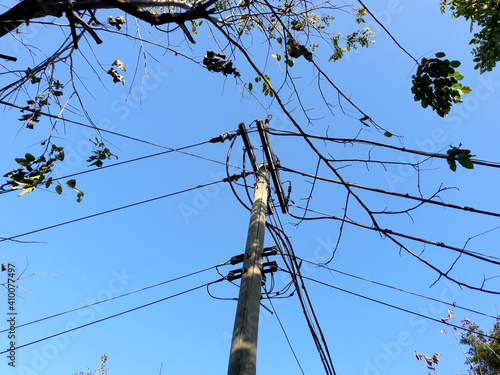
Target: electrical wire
point(278, 132)
point(227, 173)
point(80, 124)
point(117, 164)
point(114, 315)
point(398, 289)
point(450, 205)
point(441, 320)
point(109, 211)
point(473, 254)
point(285, 247)
point(284, 332)
point(113, 133)
point(116, 297)
point(142, 158)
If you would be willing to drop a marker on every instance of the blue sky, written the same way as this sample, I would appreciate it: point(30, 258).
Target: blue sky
point(183, 104)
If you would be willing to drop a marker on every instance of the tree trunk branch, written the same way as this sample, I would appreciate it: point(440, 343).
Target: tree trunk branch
point(27, 10)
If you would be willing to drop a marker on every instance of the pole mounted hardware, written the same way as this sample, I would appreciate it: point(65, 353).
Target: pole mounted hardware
point(266, 268)
point(253, 160)
point(272, 164)
point(226, 136)
point(267, 252)
point(248, 146)
point(235, 177)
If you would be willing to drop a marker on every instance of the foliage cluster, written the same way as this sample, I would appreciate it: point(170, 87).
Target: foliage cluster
point(33, 172)
point(484, 351)
point(486, 15)
point(436, 84)
point(101, 370)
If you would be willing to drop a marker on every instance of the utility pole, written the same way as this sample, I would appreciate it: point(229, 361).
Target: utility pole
point(243, 356)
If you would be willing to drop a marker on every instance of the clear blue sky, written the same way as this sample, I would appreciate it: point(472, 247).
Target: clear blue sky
point(183, 104)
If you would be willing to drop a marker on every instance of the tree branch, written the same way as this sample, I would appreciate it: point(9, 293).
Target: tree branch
point(27, 10)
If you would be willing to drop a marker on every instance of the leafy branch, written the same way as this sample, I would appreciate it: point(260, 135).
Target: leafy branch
point(102, 153)
point(35, 172)
point(462, 155)
point(436, 84)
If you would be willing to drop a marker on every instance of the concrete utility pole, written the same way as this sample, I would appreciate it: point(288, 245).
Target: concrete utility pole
point(243, 357)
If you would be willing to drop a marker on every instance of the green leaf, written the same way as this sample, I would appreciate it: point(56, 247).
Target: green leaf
point(467, 163)
point(71, 183)
point(21, 161)
point(29, 158)
point(250, 86)
point(455, 63)
point(79, 195)
point(58, 189)
point(48, 182)
point(440, 54)
point(388, 134)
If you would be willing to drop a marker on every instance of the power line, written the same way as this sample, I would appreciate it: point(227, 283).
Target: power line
point(115, 315)
point(285, 247)
point(473, 254)
point(116, 297)
point(372, 143)
point(112, 132)
point(79, 123)
point(116, 164)
point(142, 158)
point(112, 210)
point(450, 205)
point(395, 288)
point(393, 306)
point(284, 332)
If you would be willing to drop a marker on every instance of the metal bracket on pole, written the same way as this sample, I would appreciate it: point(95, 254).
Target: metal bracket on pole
point(272, 165)
point(253, 159)
point(266, 268)
point(248, 146)
point(267, 252)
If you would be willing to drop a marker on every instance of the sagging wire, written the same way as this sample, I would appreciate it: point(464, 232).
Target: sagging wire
point(227, 173)
point(283, 329)
point(120, 296)
point(114, 315)
point(304, 299)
